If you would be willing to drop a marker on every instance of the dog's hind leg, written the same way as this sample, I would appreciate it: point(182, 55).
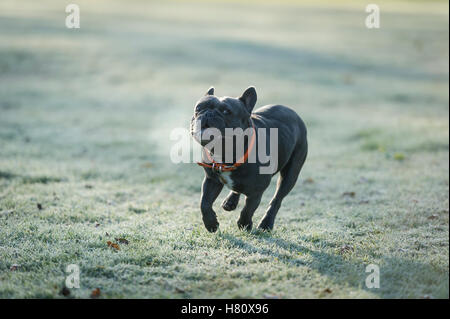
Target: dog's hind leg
point(231, 202)
point(286, 181)
point(251, 204)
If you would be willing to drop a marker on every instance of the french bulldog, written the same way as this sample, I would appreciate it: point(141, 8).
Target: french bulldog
point(245, 177)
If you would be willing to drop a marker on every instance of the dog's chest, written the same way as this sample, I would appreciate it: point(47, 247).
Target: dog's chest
point(225, 178)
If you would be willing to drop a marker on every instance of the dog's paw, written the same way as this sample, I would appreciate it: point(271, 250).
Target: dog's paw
point(265, 225)
point(211, 224)
point(230, 203)
point(245, 225)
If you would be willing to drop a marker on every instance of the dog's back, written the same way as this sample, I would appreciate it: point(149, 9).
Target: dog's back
point(291, 128)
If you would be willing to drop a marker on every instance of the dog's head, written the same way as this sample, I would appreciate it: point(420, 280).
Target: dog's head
point(218, 113)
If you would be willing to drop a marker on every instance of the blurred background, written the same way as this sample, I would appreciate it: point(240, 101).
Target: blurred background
point(85, 118)
point(135, 69)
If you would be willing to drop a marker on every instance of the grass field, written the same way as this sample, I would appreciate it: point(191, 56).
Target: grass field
point(85, 118)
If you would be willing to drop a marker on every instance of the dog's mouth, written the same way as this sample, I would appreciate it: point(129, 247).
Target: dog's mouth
point(203, 132)
point(204, 136)
point(196, 131)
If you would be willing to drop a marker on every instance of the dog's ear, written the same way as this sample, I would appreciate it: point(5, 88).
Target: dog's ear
point(249, 98)
point(210, 91)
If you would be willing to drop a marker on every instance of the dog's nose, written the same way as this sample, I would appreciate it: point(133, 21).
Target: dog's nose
point(205, 122)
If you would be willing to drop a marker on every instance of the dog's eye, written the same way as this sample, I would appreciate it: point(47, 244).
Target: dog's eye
point(225, 111)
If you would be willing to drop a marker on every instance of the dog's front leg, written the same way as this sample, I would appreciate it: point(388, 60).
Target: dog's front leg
point(210, 190)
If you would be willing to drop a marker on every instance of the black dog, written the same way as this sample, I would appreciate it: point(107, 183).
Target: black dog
point(245, 178)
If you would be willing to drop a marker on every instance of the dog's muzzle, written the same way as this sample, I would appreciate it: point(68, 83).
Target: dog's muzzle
point(205, 126)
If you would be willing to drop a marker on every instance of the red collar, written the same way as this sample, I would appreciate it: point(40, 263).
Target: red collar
point(224, 167)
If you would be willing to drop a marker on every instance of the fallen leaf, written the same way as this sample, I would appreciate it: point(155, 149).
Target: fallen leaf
point(14, 267)
point(97, 224)
point(309, 180)
point(113, 245)
point(346, 248)
point(95, 293)
point(65, 291)
point(88, 186)
point(350, 194)
point(137, 210)
point(180, 290)
point(434, 216)
point(122, 241)
point(327, 290)
point(39, 206)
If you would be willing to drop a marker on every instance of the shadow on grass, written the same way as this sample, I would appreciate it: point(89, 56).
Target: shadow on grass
point(25, 179)
point(399, 277)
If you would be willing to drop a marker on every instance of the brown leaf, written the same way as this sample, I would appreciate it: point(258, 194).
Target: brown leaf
point(113, 245)
point(88, 186)
point(180, 290)
point(434, 216)
point(95, 293)
point(309, 180)
point(327, 290)
point(346, 248)
point(65, 291)
point(14, 267)
point(350, 194)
